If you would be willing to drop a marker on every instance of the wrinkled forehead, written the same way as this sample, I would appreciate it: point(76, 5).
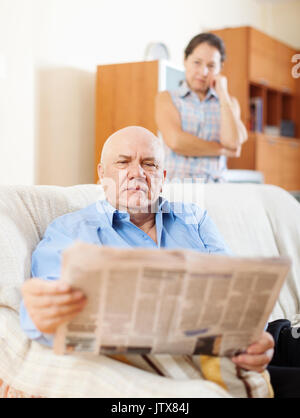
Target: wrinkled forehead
point(134, 147)
point(205, 51)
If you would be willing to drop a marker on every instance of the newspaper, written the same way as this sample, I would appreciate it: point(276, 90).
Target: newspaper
point(150, 301)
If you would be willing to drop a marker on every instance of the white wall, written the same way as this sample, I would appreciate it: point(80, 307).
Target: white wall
point(53, 47)
point(281, 19)
point(16, 92)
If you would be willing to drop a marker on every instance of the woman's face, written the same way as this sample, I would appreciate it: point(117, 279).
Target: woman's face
point(201, 67)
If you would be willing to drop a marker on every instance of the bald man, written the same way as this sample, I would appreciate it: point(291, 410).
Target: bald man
point(132, 215)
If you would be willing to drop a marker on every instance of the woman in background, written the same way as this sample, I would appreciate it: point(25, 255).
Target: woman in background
point(200, 122)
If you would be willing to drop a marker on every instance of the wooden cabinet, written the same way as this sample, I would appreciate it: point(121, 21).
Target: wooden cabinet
point(291, 165)
point(270, 62)
point(260, 67)
point(256, 64)
point(279, 160)
point(286, 82)
point(261, 58)
point(268, 159)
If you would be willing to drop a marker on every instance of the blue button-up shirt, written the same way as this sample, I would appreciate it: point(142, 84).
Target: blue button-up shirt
point(178, 225)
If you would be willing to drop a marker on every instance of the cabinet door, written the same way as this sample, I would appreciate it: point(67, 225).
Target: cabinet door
point(291, 165)
point(262, 57)
point(284, 66)
point(269, 160)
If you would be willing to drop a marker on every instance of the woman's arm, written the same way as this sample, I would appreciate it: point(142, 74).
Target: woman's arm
point(232, 131)
point(169, 123)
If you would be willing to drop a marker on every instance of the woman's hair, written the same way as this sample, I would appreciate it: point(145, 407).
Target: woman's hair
point(208, 38)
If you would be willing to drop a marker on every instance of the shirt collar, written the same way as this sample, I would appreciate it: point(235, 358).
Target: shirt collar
point(185, 90)
point(103, 206)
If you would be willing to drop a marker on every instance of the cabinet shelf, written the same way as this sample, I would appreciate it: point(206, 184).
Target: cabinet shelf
point(276, 107)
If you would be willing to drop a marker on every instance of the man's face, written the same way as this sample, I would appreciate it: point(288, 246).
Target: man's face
point(132, 173)
point(201, 66)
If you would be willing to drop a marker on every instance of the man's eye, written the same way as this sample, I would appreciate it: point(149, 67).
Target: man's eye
point(150, 164)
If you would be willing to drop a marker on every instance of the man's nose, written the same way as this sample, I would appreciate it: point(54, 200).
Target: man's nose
point(135, 170)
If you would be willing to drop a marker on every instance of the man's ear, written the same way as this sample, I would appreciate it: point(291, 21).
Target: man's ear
point(100, 172)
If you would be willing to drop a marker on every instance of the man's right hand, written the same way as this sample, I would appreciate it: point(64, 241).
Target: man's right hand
point(51, 303)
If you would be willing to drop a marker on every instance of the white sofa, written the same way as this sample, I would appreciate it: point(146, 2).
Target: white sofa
point(254, 220)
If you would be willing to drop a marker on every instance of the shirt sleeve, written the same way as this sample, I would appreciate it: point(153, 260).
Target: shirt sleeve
point(30, 329)
point(46, 264)
point(211, 237)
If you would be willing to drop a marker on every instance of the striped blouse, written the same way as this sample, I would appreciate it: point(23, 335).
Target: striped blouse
point(202, 119)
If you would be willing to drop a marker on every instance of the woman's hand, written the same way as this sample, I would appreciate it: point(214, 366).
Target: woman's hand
point(220, 84)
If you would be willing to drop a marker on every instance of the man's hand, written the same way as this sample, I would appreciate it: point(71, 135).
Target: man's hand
point(258, 354)
point(51, 304)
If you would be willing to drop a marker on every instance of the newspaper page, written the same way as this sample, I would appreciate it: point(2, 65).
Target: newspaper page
point(150, 301)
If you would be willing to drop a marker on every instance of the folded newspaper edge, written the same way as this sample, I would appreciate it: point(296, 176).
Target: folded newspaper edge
point(156, 301)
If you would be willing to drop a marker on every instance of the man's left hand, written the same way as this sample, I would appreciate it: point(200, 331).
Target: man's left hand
point(258, 355)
